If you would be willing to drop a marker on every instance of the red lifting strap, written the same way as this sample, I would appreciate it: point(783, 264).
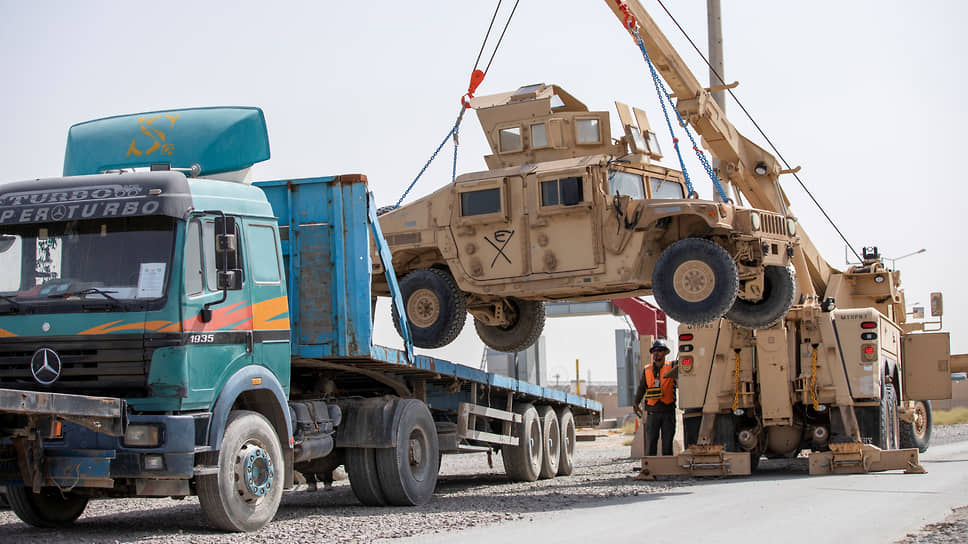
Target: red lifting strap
point(477, 77)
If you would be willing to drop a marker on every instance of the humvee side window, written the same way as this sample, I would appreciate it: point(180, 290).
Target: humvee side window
point(663, 188)
point(539, 136)
point(565, 191)
point(510, 139)
point(480, 202)
point(587, 131)
point(625, 184)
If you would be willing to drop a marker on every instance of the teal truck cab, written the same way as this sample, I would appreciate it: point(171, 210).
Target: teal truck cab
point(168, 329)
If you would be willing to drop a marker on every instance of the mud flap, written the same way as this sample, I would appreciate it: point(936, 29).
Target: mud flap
point(697, 461)
point(857, 458)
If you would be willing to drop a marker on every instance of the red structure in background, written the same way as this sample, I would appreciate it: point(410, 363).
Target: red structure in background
point(648, 319)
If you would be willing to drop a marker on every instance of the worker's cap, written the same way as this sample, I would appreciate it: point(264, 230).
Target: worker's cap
point(659, 345)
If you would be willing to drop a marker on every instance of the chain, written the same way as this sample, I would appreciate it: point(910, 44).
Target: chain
point(663, 98)
point(813, 381)
point(736, 384)
point(452, 133)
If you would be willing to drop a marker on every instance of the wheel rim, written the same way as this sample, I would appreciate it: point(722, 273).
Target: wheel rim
point(535, 451)
point(418, 455)
point(254, 472)
point(694, 281)
point(423, 308)
point(920, 420)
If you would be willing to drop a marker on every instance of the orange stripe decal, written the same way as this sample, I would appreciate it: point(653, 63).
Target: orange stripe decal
point(6, 334)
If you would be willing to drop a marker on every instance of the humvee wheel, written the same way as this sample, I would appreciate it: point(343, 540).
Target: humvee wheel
point(524, 330)
point(779, 290)
point(49, 509)
point(436, 308)
point(695, 281)
point(917, 434)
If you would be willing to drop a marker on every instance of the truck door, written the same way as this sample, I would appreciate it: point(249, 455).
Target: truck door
point(269, 324)
point(926, 365)
point(488, 228)
point(562, 235)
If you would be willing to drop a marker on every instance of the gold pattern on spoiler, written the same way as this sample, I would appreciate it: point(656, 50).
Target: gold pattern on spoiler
point(157, 136)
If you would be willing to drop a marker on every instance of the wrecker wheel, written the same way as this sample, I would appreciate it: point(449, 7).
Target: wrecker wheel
point(917, 434)
point(245, 493)
point(436, 307)
point(695, 281)
point(779, 291)
point(519, 335)
point(49, 509)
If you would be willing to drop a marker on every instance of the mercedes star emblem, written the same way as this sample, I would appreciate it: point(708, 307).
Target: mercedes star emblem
point(45, 365)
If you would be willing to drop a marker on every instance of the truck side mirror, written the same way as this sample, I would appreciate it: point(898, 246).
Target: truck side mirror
point(229, 276)
point(937, 305)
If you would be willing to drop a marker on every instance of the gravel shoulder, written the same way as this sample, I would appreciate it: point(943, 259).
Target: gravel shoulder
point(470, 493)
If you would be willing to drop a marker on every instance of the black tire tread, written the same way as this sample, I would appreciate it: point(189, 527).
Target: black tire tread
point(721, 299)
point(524, 332)
point(364, 479)
point(392, 464)
point(780, 291)
point(909, 439)
point(60, 513)
point(566, 460)
point(517, 459)
point(549, 459)
point(451, 328)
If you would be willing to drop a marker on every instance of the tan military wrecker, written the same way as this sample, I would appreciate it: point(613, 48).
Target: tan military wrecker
point(564, 212)
point(843, 374)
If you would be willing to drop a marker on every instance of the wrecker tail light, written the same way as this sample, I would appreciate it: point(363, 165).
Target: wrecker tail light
point(685, 348)
point(685, 337)
point(143, 436)
point(868, 325)
point(868, 352)
point(686, 364)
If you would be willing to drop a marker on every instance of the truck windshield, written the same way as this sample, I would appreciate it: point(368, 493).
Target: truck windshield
point(113, 260)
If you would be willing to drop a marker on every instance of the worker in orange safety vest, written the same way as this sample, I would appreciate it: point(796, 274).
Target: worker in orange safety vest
point(658, 387)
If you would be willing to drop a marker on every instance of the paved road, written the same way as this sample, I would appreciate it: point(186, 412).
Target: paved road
point(774, 505)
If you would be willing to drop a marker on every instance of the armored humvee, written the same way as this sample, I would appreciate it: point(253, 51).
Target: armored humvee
point(564, 212)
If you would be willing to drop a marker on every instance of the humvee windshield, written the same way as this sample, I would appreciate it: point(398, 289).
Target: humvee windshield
point(113, 260)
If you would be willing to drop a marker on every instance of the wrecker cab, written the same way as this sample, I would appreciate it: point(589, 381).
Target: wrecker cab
point(564, 212)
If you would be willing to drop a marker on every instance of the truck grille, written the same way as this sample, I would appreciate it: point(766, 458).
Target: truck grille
point(773, 223)
point(111, 365)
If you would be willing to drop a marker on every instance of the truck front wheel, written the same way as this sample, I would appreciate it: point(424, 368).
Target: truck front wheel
point(49, 509)
point(436, 307)
point(695, 281)
point(525, 327)
point(779, 290)
point(917, 434)
point(245, 493)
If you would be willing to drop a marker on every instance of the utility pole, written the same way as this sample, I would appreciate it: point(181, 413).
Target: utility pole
point(714, 32)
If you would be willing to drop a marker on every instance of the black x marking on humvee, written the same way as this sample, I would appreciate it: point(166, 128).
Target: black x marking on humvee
point(503, 237)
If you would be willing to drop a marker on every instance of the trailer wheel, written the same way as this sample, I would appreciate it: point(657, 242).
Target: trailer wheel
point(566, 460)
point(779, 290)
point(408, 472)
point(917, 434)
point(245, 493)
point(49, 509)
point(436, 307)
point(522, 463)
point(364, 478)
point(521, 333)
point(695, 281)
point(551, 443)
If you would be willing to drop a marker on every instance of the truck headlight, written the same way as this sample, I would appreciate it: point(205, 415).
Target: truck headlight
point(144, 436)
point(791, 227)
point(755, 220)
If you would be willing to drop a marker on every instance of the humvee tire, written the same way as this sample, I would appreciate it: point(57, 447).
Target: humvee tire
point(695, 281)
point(779, 290)
point(917, 434)
point(519, 335)
point(436, 308)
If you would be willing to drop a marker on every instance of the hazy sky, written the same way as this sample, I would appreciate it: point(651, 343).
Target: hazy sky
point(863, 94)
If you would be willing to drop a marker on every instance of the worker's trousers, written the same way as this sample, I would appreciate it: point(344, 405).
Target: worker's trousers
point(656, 422)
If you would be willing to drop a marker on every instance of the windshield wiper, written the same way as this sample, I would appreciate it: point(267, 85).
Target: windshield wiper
point(14, 304)
point(91, 291)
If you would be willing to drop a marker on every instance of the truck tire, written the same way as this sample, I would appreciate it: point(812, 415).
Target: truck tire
point(566, 460)
point(364, 478)
point(879, 424)
point(436, 308)
point(779, 290)
point(49, 509)
point(695, 281)
point(245, 493)
point(690, 430)
point(519, 335)
point(522, 463)
point(917, 434)
point(408, 471)
point(551, 445)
